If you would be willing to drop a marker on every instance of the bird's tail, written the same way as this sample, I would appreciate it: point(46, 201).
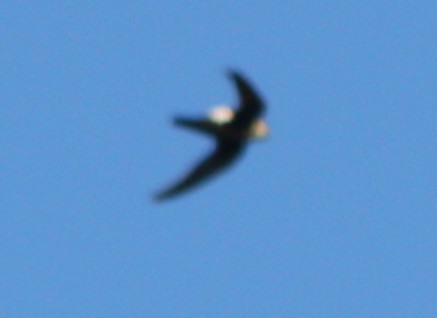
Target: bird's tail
point(201, 125)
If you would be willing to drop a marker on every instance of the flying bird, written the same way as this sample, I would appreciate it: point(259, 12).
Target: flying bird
point(231, 130)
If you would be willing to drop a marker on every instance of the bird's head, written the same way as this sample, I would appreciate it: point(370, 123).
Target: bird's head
point(223, 114)
point(259, 129)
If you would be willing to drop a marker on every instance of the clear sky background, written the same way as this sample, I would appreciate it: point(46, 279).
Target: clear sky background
point(334, 215)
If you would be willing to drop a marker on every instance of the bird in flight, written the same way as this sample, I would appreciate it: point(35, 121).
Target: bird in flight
point(231, 130)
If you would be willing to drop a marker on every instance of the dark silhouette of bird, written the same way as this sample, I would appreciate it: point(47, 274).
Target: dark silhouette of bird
point(231, 129)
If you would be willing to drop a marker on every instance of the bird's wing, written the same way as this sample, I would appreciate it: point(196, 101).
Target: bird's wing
point(251, 105)
point(225, 153)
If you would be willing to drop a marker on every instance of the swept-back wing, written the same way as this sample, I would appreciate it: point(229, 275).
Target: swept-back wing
point(225, 153)
point(251, 106)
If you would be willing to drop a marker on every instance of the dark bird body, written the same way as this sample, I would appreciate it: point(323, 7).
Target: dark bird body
point(231, 131)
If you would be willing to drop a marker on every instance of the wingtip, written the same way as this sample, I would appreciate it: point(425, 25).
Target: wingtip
point(158, 198)
point(164, 196)
point(238, 77)
point(232, 73)
point(177, 120)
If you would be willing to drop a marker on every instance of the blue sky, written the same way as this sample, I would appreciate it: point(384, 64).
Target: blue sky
point(334, 215)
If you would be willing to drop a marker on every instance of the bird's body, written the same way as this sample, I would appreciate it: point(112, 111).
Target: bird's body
point(231, 131)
